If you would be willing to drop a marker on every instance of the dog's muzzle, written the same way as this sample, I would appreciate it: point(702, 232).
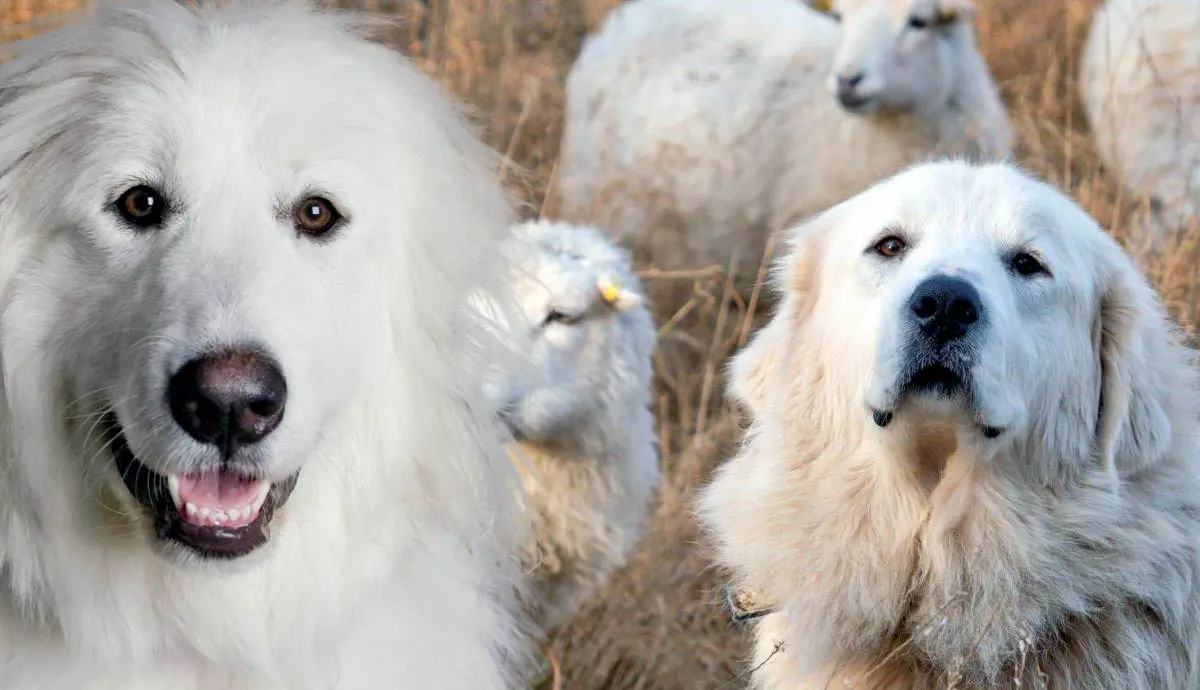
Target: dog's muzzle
point(227, 400)
point(943, 316)
point(943, 321)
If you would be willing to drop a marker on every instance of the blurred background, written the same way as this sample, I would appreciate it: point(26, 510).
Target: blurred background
point(662, 623)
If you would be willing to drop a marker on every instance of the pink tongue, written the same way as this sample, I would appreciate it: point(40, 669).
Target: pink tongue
point(218, 492)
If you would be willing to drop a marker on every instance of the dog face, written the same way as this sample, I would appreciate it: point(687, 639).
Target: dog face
point(968, 295)
point(965, 284)
point(972, 298)
point(225, 302)
point(229, 221)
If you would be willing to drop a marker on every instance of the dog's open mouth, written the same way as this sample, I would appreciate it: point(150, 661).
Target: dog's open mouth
point(937, 379)
point(217, 513)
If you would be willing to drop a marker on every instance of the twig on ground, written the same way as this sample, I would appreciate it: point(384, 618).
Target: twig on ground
point(763, 266)
point(710, 366)
point(533, 92)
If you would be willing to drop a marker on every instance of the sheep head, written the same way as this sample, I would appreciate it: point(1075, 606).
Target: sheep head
point(899, 55)
point(582, 318)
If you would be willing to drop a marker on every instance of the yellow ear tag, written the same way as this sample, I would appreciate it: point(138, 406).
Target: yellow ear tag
point(821, 5)
point(610, 290)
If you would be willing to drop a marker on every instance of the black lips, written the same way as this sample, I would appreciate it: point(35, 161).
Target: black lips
point(150, 489)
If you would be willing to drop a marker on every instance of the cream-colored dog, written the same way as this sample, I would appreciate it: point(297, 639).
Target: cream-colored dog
point(973, 462)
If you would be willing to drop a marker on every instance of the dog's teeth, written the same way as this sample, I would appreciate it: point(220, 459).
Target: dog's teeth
point(263, 489)
point(191, 509)
point(246, 512)
point(205, 512)
point(173, 487)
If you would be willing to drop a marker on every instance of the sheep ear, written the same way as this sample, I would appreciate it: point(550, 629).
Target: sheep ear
point(952, 11)
point(761, 364)
point(616, 295)
point(1145, 371)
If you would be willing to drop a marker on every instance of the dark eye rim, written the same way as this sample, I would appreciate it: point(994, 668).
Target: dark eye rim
point(919, 23)
point(890, 235)
point(156, 215)
point(337, 218)
point(1039, 265)
point(834, 15)
point(562, 317)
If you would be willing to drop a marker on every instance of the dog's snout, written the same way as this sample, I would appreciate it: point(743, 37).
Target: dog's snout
point(228, 399)
point(945, 308)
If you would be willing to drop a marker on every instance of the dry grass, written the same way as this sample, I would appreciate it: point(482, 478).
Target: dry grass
point(660, 624)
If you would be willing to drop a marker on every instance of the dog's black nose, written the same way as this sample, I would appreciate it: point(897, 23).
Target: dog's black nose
point(228, 399)
point(945, 308)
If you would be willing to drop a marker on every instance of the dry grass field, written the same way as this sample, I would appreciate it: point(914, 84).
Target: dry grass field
point(660, 625)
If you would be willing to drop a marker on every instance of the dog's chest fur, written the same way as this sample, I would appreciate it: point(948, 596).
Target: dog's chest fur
point(979, 581)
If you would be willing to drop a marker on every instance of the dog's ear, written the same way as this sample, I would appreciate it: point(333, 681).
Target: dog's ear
point(1146, 372)
point(757, 365)
point(761, 364)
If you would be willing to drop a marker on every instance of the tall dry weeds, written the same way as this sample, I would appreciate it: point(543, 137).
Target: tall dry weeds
point(661, 623)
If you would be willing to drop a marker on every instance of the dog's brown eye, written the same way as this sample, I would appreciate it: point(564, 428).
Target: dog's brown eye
point(142, 206)
point(1024, 264)
point(890, 247)
point(316, 216)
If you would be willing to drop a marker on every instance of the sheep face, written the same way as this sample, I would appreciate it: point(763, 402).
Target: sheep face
point(572, 301)
point(899, 55)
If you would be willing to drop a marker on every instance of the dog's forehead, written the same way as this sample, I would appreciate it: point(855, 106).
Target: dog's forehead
point(280, 89)
point(955, 205)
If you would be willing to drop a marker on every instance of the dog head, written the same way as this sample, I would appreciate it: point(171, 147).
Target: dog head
point(977, 300)
point(236, 245)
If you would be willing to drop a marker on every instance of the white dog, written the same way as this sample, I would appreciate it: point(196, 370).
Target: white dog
point(974, 456)
point(240, 442)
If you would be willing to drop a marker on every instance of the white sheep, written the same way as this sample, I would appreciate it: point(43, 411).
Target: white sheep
point(579, 413)
point(695, 127)
point(1140, 82)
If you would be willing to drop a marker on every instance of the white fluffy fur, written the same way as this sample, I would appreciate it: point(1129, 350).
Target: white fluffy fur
point(391, 565)
point(1140, 81)
point(924, 555)
point(580, 409)
point(695, 127)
